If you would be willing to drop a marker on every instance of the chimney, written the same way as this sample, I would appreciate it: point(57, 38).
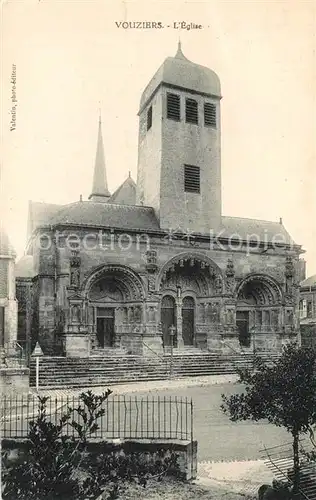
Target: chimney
point(302, 270)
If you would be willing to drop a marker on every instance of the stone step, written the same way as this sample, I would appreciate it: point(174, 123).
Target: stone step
point(120, 377)
point(111, 361)
point(98, 370)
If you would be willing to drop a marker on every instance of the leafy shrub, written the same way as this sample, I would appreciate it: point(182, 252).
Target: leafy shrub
point(59, 467)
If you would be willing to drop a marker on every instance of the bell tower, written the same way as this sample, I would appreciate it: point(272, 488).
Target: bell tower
point(179, 151)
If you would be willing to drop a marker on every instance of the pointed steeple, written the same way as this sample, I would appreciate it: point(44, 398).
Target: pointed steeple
point(100, 190)
point(179, 54)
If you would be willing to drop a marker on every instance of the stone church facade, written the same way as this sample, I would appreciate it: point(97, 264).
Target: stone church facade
point(156, 262)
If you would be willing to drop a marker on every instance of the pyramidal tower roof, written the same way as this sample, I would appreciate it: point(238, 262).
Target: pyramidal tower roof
point(100, 191)
point(6, 248)
point(180, 72)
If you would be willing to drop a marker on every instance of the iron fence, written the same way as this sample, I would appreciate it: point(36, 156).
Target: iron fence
point(125, 417)
point(279, 459)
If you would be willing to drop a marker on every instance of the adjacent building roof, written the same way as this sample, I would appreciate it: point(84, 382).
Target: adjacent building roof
point(309, 282)
point(180, 72)
point(6, 247)
point(254, 229)
point(125, 193)
point(24, 268)
point(39, 213)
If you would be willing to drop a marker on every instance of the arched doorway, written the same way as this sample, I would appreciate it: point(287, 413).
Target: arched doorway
point(114, 299)
point(168, 319)
point(258, 307)
point(104, 296)
point(188, 310)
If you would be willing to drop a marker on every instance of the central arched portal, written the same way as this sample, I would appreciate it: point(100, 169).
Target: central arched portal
point(190, 287)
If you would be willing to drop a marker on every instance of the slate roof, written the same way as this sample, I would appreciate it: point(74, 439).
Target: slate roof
point(265, 230)
point(88, 213)
point(24, 268)
point(39, 213)
point(180, 72)
point(128, 216)
point(125, 193)
point(309, 282)
point(6, 247)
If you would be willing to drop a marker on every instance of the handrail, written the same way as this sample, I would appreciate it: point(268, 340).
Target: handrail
point(19, 349)
point(231, 348)
point(156, 353)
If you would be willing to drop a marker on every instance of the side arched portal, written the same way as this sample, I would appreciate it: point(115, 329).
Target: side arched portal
point(114, 298)
point(258, 311)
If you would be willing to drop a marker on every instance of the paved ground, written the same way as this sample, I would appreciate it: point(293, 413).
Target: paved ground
point(218, 438)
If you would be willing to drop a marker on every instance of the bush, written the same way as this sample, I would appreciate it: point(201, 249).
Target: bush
point(59, 467)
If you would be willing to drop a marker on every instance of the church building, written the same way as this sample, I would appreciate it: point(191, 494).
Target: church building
point(156, 263)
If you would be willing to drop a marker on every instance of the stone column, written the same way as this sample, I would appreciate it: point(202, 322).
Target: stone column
point(180, 343)
point(150, 330)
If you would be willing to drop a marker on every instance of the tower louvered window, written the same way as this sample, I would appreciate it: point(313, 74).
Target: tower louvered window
point(173, 106)
point(209, 114)
point(149, 117)
point(192, 179)
point(191, 111)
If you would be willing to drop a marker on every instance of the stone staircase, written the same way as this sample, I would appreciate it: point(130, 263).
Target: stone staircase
point(61, 372)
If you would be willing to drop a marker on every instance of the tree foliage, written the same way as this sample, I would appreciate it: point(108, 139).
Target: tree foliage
point(283, 392)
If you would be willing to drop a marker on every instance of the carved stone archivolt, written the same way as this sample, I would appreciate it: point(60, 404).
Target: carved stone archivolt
point(259, 289)
point(121, 277)
point(191, 272)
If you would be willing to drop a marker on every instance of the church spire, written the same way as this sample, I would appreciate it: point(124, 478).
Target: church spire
point(179, 54)
point(100, 190)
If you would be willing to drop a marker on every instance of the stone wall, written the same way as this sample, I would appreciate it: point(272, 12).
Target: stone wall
point(52, 288)
point(186, 452)
point(14, 380)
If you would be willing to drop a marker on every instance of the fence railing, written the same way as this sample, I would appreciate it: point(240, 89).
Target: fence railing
point(126, 417)
point(279, 459)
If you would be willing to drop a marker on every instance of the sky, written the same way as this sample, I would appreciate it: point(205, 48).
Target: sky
point(72, 59)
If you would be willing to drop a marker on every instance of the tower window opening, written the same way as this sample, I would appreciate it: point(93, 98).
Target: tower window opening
point(149, 117)
point(191, 179)
point(191, 111)
point(173, 106)
point(209, 114)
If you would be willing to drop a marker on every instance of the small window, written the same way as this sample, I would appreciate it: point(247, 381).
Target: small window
point(149, 117)
point(191, 111)
point(173, 107)
point(209, 114)
point(191, 179)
